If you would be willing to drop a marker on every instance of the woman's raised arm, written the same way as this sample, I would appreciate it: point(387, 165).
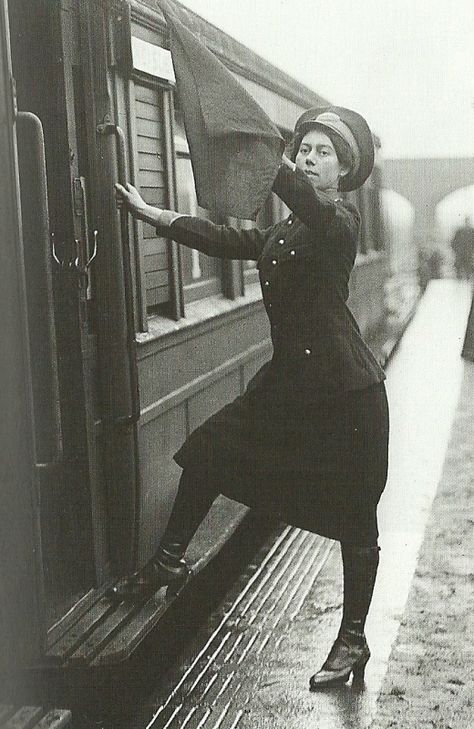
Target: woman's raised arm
point(218, 241)
point(313, 207)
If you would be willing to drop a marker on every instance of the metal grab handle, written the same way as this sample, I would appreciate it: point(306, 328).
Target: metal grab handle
point(87, 265)
point(54, 252)
point(109, 128)
point(34, 191)
point(80, 265)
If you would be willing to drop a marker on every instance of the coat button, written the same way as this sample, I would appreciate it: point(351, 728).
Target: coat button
point(292, 253)
point(274, 263)
point(269, 306)
point(281, 241)
point(307, 351)
point(267, 283)
point(290, 221)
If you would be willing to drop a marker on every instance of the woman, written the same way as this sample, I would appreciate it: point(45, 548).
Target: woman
point(307, 442)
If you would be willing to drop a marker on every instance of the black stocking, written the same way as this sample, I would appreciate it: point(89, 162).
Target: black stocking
point(360, 569)
point(193, 501)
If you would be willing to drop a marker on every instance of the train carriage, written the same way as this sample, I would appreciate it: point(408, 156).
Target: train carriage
point(127, 341)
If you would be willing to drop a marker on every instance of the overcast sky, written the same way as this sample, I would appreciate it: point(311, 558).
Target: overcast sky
point(407, 65)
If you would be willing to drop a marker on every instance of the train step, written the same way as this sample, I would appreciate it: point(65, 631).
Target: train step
point(99, 633)
point(33, 717)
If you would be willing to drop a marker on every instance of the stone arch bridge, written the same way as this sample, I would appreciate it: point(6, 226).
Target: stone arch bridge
point(424, 183)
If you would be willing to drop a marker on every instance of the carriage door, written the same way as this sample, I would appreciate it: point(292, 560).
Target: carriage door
point(60, 251)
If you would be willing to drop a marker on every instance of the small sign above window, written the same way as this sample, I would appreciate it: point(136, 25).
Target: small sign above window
point(153, 60)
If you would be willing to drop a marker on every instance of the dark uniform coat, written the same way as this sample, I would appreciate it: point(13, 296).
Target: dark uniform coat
point(308, 439)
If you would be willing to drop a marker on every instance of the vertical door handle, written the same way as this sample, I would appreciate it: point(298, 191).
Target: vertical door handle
point(109, 128)
point(34, 187)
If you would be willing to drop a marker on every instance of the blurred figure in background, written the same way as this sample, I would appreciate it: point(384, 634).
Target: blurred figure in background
point(463, 249)
point(431, 264)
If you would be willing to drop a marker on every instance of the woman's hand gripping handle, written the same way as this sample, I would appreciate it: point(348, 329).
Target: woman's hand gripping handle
point(130, 198)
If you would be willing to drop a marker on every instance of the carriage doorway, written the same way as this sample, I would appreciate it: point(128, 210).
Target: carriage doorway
point(59, 244)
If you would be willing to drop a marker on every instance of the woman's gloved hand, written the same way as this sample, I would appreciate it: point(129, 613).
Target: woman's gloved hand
point(130, 198)
point(287, 161)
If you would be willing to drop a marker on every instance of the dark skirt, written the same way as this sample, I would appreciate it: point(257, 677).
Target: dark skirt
point(319, 465)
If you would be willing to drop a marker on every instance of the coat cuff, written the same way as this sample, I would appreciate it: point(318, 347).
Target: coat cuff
point(166, 217)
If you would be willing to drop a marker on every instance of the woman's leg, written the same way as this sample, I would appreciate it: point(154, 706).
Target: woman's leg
point(360, 565)
point(350, 651)
point(193, 500)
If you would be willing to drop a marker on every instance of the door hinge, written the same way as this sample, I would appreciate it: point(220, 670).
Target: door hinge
point(78, 194)
point(13, 95)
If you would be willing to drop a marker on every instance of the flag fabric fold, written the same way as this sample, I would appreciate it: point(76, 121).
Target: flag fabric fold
point(235, 148)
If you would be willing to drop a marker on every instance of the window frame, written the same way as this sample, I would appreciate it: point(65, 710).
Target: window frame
point(233, 278)
point(214, 284)
point(165, 92)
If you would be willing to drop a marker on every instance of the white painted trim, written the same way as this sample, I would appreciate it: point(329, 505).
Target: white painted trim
point(153, 60)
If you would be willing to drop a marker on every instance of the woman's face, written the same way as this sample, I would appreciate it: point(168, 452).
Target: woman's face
point(317, 158)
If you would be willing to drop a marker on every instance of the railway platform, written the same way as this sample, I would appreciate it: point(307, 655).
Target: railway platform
point(249, 665)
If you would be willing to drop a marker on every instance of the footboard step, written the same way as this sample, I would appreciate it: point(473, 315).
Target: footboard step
point(100, 632)
point(33, 717)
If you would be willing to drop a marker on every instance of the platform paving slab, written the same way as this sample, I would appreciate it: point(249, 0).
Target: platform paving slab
point(430, 676)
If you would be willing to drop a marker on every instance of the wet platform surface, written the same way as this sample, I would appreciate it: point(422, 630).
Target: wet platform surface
point(250, 664)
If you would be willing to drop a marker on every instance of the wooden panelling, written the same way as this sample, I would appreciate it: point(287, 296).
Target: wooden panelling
point(146, 94)
point(198, 354)
point(150, 247)
point(151, 161)
point(148, 110)
point(157, 296)
point(149, 145)
point(156, 261)
point(149, 232)
point(151, 179)
point(204, 381)
point(156, 279)
point(149, 128)
point(209, 401)
point(159, 440)
point(154, 195)
point(210, 367)
point(249, 369)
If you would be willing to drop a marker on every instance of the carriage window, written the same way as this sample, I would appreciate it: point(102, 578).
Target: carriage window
point(202, 274)
point(167, 282)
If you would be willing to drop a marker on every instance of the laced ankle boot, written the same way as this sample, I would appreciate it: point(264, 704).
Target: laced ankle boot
point(350, 652)
point(167, 566)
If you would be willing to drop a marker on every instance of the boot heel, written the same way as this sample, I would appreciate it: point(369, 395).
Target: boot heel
point(358, 671)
